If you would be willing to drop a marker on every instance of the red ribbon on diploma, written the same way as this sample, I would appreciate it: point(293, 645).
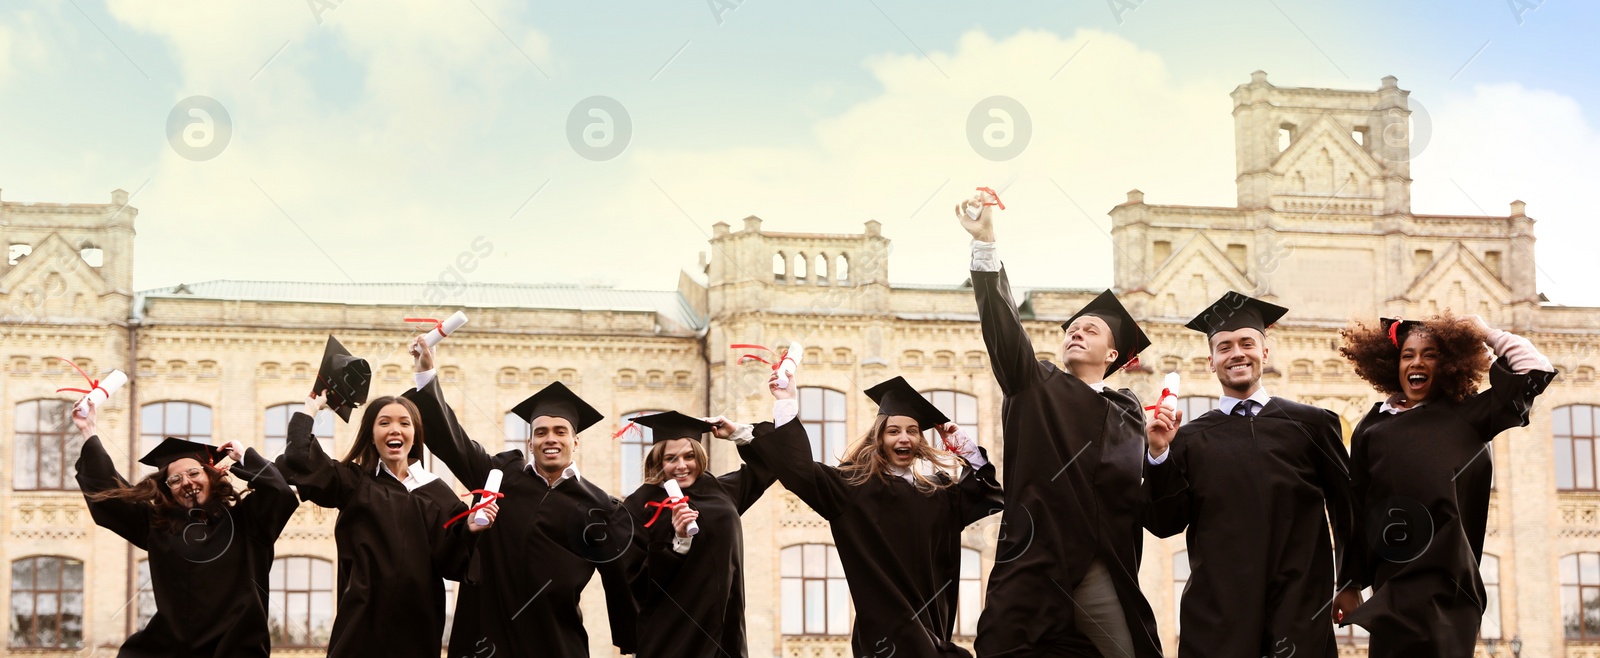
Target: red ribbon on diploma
point(996, 197)
point(661, 505)
point(488, 497)
point(752, 357)
point(1164, 393)
point(93, 383)
point(624, 430)
point(436, 324)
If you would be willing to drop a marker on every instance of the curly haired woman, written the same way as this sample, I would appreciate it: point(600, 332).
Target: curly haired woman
point(1421, 474)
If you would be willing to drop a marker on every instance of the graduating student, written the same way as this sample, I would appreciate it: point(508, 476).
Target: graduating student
point(690, 588)
point(896, 506)
point(1066, 576)
point(393, 547)
point(549, 539)
point(209, 546)
point(1421, 474)
point(1250, 482)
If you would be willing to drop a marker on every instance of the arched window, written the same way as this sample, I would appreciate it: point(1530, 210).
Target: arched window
point(46, 446)
point(841, 270)
point(46, 603)
point(1489, 568)
point(822, 414)
point(147, 596)
point(300, 610)
point(636, 444)
point(780, 267)
point(190, 421)
point(970, 604)
point(800, 267)
point(816, 600)
point(960, 407)
point(1580, 596)
point(1194, 406)
point(821, 272)
point(1573, 427)
point(278, 429)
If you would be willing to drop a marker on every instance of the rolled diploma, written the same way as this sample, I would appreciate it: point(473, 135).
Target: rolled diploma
point(973, 210)
point(676, 491)
point(480, 517)
point(108, 387)
point(789, 364)
point(451, 324)
point(1170, 384)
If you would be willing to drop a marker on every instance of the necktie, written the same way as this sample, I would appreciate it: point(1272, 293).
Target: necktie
point(1245, 408)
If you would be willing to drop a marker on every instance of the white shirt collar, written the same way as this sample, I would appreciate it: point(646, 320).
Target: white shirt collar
point(1387, 408)
point(568, 473)
point(1099, 387)
point(416, 475)
point(904, 473)
point(1226, 404)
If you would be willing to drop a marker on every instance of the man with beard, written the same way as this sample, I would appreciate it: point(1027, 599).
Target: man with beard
point(1250, 481)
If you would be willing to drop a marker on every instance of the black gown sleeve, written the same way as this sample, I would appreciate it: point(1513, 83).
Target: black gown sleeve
point(271, 501)
point(1333, 473)
point(980, 492)
point(1166, 492)
point(787, 451)
point(1010, 352)
point(443, 435)
point(452, 548)
point(96, 473)
point(1507, 401)
point(621, 609)
point(1353, 567)
point(320, 478)
point(750, 481)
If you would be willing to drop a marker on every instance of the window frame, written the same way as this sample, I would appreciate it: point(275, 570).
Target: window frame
point(68, 441)
point(823, 431)
point(279, 595)
point(61, 594)
point(833, 585)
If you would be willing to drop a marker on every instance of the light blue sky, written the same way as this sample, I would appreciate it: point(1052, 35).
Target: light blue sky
point(393, 133)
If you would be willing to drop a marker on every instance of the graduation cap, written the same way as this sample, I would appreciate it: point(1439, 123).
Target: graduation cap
point(559, 401)
point(1398, 329)
point(1235, 311)
point(669, 425)
point(896, 397)
point(172, 449)
point(1126, 336)
point(345, 378)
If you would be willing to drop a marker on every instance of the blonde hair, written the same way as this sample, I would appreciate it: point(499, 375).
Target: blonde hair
point(864, 459)
point(654, 473)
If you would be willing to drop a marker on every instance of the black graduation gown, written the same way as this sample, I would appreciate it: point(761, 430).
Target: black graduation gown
point(692, 605)
point(1252, 492)
point(1073, 459)
point(1422, 470)
point(900, 547)
point(393, 550)
point(210, 577)
point(528, 573)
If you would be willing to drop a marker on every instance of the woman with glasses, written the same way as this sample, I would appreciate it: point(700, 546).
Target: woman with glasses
point(209, 545)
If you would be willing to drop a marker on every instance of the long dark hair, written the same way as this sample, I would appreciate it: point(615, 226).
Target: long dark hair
point(864, 460)
point(170, 515)
point(364, 452)
point(655, 473)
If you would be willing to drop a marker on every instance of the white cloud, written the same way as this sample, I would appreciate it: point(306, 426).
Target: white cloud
point(1505, 142)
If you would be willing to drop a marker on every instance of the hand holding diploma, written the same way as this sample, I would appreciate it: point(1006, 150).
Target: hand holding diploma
point(492, 485)
point(977, 217)
point(441, 329)
point(683, 518)
point(788, 364)
point(1164, 426)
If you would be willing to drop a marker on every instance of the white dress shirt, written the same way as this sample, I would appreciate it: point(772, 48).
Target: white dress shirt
point(1226, 405)
point(416, 476)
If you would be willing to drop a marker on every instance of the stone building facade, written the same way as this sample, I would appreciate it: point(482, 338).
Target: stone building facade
point(1323, 225)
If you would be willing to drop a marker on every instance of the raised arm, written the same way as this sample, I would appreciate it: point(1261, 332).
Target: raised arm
point(787, 450)
point(1519, 374)
point(1166, 492)
point(96, 474)
point(271, 502)
point(441, 433)
point(754, 476)
point(1010, 351)
point(321, 479)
